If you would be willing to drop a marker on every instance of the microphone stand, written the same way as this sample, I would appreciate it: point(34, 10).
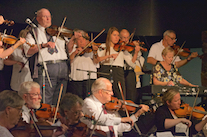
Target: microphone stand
point(44, 64)
point(89, 77)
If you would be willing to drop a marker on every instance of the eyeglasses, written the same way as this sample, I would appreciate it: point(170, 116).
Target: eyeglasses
point(108, 91)
point(34, 94)
point(172, 38)
point(77, 113)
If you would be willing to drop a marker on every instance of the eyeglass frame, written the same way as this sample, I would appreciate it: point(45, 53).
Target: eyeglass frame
point(108, 91)
point(172, 38)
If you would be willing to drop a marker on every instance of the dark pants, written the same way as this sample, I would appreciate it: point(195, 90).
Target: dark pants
point(58, 74)
point(117, 75)
point(81, 88)
point(130, 82)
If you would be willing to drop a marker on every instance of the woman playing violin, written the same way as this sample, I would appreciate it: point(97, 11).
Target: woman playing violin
point(10, 111)
point(85, 63)
point(113, 61)
point(166, 119)
point(165, 73)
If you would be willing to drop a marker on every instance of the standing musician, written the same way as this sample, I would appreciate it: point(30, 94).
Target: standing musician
point(10, 111)
point(107, 121)
point(166, 119)
point(54, 55)
point(167, 74)
point(113, 61)
point(169, 38)
point(30, 92)
point(131, 82)
point(79, 84)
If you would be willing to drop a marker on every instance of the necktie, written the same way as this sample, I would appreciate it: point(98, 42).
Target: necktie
point(51, 50)
point(31, 116)
point(110, 127)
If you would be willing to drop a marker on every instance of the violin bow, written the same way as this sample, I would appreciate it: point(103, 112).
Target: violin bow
point(127, 113)
point(60, 29)
point(91, 42)
point(132, 35)
point(60, 93)
point(178, 51)
point(35, 125)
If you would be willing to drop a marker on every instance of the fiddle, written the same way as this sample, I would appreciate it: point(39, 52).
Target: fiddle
point(90, 49)
point(81, 130)
point(46, 111)
point(54, 30)
point(115, 104)
point(9, 22)
point(185, 110)
point(129, 47)
point(23, 129)
point(184, 52)
point(9, 39)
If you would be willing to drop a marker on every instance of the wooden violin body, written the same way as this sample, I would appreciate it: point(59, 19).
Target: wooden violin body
point(65, 32)
point(185, 110)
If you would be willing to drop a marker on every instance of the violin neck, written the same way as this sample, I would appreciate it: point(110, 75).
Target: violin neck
point(131, 104)
point(199, 111)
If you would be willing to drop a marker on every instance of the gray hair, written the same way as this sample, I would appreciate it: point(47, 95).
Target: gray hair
point(68, 101)
point(10, 98)
point(26, 87)
point(40, 11)
point(84, 33)
point(100, 83)
point(167, 32)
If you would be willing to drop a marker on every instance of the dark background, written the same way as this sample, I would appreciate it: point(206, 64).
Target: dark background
point(149, 17)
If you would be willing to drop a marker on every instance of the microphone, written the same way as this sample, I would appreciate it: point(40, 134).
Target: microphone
point(28, 21)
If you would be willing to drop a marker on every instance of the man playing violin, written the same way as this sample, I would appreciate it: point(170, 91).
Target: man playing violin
point(10, 111)
point(30, 92)
point(169, 38)
point(166, 119)
point(52, 50)
point(107, 121)
point(131, 82)
point(83, 65)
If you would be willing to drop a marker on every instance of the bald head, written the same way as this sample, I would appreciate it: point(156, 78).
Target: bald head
point(124, 35)
point(44, 17)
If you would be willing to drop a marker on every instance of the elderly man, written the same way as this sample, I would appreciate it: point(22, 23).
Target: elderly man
point(30, 92)
point(169, 39)
point(52, 50)
point(10, 111)
point(109, 122)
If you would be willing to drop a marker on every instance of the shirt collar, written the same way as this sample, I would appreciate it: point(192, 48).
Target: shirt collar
point(98, 103)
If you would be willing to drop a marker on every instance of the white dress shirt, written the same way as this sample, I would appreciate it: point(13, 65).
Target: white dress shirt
point(119, 61)
point(156, 51)
point(41, 36)
point(93, 107)
point(26, 114)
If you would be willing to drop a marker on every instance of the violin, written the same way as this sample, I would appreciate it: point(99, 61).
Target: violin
point(115, 104)
point(129, 47)
point(46, 111)
point(9, 22)
point(9, 39)
point(184, 52)
point(185, 110)
point(53, 31)
point(81, 130)
point(23, 129)
point(90, 49)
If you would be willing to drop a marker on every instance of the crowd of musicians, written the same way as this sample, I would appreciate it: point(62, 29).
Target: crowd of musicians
point(80, 81)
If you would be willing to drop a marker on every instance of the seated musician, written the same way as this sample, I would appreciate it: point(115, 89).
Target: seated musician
point(10, 111)
point(166, 119)
point(71, 111)
point(30, 92)
point(107, 121)
point(85, 63)
point(9, 51)
point(167, 74)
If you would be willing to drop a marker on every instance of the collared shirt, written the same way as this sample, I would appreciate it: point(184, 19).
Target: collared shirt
point(26, 114)
point(119, 61)
point(93, 107)
point(42, 39)
point(156, 51)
